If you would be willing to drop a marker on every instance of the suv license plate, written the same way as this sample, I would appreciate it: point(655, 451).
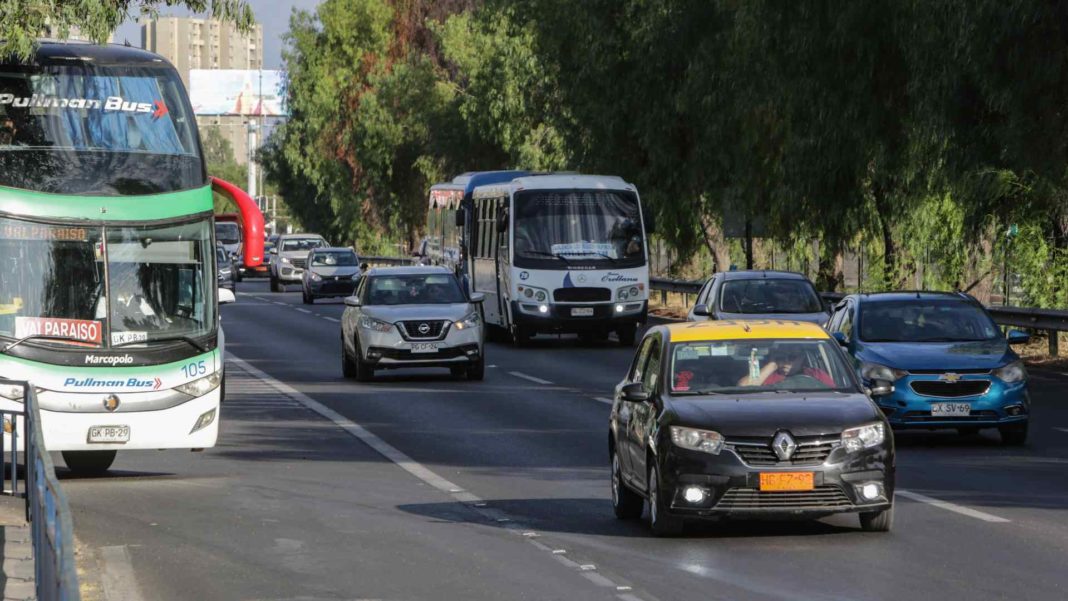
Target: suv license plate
point(582, 312)
point(950, 409)
point(424, 347)
point(119, 434)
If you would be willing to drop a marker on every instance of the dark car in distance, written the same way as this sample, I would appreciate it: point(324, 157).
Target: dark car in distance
point(747, 419)
point(759, 295)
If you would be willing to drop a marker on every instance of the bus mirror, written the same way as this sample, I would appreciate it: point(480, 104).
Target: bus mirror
point(650, 223)
point(459, 217)
point(502, 220)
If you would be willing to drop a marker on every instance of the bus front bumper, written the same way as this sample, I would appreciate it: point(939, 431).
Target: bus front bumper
point(579, 317)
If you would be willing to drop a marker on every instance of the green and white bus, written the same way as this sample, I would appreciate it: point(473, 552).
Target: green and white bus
point(108, 297)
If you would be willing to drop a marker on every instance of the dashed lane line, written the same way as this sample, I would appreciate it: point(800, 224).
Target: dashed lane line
point(529, 378)
point(1065, 430)
point(605, 400)
point(304, 311)
point(967, 511)
point(331, 319)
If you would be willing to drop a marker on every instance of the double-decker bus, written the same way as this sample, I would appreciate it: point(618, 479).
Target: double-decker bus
point(554, 252)
point(108, 297)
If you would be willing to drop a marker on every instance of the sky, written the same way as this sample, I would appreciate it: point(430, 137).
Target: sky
point(272, 14)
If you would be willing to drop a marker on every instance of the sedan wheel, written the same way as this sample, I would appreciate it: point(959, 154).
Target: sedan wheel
point(877, 521)
point(626, 503)
point(661, 522)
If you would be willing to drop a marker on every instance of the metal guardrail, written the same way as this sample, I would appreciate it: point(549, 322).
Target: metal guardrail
point(387, 261)
point(47, 510)
point(1049, 320)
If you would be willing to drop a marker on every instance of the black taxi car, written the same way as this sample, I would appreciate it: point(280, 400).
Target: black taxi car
point(745, 419)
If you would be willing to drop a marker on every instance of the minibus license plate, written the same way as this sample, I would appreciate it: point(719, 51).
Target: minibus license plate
point(109, 434)
point(950, 409)
point(424, 347)
point(582, 312)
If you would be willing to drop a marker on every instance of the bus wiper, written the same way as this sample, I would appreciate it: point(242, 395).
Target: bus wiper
point(547, 254)
point(182, 337)
point(38, 337)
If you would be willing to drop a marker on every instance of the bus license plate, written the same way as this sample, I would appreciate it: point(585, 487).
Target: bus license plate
point(950, 409)
point(582, 312)
point(424, 347)
point(109, 434)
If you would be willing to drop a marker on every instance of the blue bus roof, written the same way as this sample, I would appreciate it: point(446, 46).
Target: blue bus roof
point(473, 179)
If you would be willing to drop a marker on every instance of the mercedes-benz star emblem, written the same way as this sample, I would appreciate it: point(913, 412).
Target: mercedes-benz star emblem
point(424, 328)
point(111, 403)
point(784, 446)
point(582, 278)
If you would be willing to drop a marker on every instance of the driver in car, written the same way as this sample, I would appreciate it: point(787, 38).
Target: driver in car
point(784, 363)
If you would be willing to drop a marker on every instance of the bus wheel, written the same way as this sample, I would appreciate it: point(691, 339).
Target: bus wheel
point(521, 335)
point(88, 463)
point(626, 335)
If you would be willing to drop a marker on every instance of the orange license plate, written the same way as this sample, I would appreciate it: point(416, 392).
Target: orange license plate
point(777, 481)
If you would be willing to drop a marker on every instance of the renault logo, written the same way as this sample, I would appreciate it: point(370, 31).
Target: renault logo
point(424, 328)
point(784, 446)
point(111, 403)
point(950, 377)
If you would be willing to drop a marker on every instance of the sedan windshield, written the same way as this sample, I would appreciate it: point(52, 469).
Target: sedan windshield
point(334, 259)
point(752, 366)
point(426, 289)
point(296, 244)
point(762, 296)
point(925, 320)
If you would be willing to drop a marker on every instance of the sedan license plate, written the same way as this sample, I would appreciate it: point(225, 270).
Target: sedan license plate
point(582, 312)
point(950, 409)
point(424, 347)
point(109, 434)
point(779, 481)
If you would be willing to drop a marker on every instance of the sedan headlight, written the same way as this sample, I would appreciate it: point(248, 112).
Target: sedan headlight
point(201, 386)
point(630, 292)
point(705, 441)
point(875, 371)
point(285, 260)
point(471, 320)
point(1013, 372)
point(315, 277)
point(863, 437)
point(375, 325)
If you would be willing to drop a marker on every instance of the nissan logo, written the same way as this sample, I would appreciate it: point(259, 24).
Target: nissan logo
point(424, 328)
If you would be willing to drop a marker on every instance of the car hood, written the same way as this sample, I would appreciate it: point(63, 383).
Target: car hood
point(329, 272)
point(816, 318)
point(766, 414)
point(395, 313)
point(938, 355)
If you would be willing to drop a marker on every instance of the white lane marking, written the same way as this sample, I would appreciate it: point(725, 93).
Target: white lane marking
point(119, 580)
point(332, 319)
point(304, 310)
point(524, 376)
point(280, 304)
point(1065, 430)
point(604, 400)
point(968, 511)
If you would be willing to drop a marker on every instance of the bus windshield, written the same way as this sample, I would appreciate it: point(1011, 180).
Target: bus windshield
point(55, 281)
point(585, 226)
point(97, 130)
point(227, 232)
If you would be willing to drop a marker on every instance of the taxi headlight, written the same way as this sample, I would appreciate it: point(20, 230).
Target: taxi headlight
point(1013, 372)
point(376, 325)
point(875, 371)
point(863, 437)
point(471, 320)
point(693, 439)
point(201, 386)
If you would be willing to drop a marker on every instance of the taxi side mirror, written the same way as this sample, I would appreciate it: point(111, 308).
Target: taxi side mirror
point(635, 393)
point(701, 310)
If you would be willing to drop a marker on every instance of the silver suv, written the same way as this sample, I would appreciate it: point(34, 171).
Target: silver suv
point(289, 258)
point(412, 317)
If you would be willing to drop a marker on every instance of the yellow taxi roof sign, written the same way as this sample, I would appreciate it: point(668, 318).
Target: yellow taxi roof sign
point(700, 331)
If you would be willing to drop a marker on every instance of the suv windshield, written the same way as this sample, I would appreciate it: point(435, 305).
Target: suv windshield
point(424, 289)
point(97, 130)
point(751, 366)
point(578, 226)
point(295, 244)
point(55, 281)
point(766, 295)
point(332, 258)
point(925, 320)
point(227, 232)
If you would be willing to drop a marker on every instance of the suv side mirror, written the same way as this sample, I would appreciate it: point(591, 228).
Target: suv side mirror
point(701, 310)
point(1018, 337)
point(477, 297)
point(352, 301)
point(635, 393)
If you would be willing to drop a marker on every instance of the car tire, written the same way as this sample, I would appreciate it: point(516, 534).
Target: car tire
point(521, 335)
point(222, 387)
point(1014, 435)
point(274, 284)
point(348, 368)
point(458, 371)
point(304, 296)
point(477, 370)
point(877, 521)
point(662, 523)
point(626, 503)
point(364, 371)
point(626, 335)
point(88, 463)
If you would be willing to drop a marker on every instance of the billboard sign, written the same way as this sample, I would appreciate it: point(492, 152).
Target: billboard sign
point(250, 92)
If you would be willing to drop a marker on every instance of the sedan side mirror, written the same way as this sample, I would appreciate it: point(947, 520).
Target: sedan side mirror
point(635, 393)
point(226, 296)
point(477, 297)
point(701, 310)
point(1018, 337)
point(352, 301)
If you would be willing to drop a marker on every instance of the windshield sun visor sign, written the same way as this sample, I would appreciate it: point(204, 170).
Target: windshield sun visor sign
point(73, 330)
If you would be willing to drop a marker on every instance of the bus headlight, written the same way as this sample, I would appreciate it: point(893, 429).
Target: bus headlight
point(201, 386)
point(537, 294)
point(632, 292)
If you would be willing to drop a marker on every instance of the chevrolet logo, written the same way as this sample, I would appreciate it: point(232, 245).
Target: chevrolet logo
point(111, 403)
point(950, 377)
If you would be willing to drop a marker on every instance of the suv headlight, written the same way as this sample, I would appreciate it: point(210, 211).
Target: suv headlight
point(315, 277)
point(201, 386)
point(632, 292)
point(705, 441)
point(863, 437)
point(875, 371)
point(471, 320)
point(532, 294)
point(1013, 372)
point(375, 325)
point(285, 260)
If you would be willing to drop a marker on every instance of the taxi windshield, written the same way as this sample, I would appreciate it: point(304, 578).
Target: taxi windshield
point(754, 366)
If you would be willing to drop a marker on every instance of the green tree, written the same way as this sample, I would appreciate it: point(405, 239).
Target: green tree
point(219, 155)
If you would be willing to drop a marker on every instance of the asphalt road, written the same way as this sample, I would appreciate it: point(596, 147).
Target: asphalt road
point(419, 486)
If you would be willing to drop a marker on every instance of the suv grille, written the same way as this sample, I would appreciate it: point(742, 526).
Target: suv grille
point(423, 329)
point(957, 389)
point(822, 497)
point(582, 295)
point(299, 263)
point(811, 451)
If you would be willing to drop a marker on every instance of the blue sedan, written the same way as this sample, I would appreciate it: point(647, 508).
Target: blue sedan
point(936, 360)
